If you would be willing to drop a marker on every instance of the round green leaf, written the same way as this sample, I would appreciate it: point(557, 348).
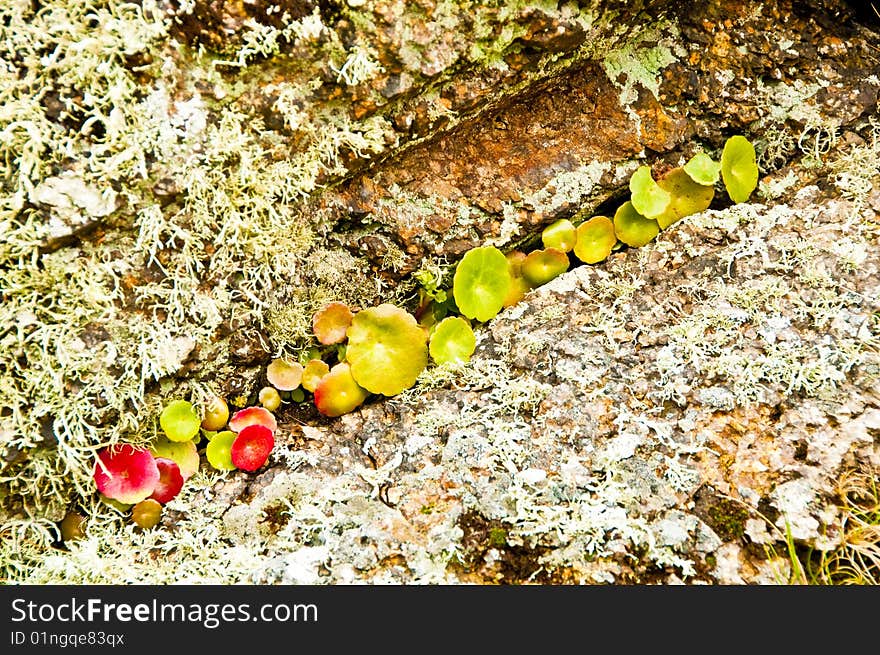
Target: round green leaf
point(702, 169)
point(632, 228)
point(184, 453)
point(595, 240)
point(219, 451)
point(560, 235)
point(541, 266)
point(649, 199)
point(180, 421)
point(739, 168)
point(387, 349)
point(453, 340)
point(338, 392)
point(688, 197)
point(481, 282)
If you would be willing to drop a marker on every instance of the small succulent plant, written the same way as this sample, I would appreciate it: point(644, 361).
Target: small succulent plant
point(739, 168)
point(481, 283)
point(180, 421)
point(632, 228)
point(170, 480)
point(452, 341)
point(314, 370)
point(330, 323)
point(250, 416)
point(561, 235)
point(126, 474)
point(269, 398)
point(284, 374)
point(72, 526)
point(541, 266)
point(251, 447)
point(518, 286)
point(387, 350)
point(686, 197)
point(216, 414)
point(219, 451)
point(702, 169)
point(147, 513)
point(595, 240)
point(184, 453)
point(338, 392)
point(648, 197)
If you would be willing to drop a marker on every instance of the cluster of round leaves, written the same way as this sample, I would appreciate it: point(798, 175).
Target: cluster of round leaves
point(486, 280)
point(379, 350)
point(382, 350)
point(145, 479)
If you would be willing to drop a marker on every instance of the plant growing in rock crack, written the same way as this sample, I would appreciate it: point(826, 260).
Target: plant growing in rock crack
point(452, 341)
point(481, 283)
point(338, 392)
point(739, 168)
point(595, 240)
point(331, 322)
point(387, 349)
point(383, 349)
point(632, 228)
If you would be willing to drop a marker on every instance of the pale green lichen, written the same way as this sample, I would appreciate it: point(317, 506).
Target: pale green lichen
point(642, 59)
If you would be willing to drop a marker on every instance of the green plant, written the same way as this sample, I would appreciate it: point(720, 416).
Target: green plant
point(541, 266)
point(686, 197)
point(702, 169)
point(481, 283)
point(561, 235)
point(648, 197)
point(739, 168)
point(269, 398)
point(216, 414)
point(184, 453)
point(180, 421)
point(452, 340)
point(632, 228)
point(595, 240)
point(219, 451)
point(338, 392)
point(518, 286)
point(387, 349)
point(314, 371)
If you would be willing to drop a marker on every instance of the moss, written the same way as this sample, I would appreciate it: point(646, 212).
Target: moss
point(728, 519)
